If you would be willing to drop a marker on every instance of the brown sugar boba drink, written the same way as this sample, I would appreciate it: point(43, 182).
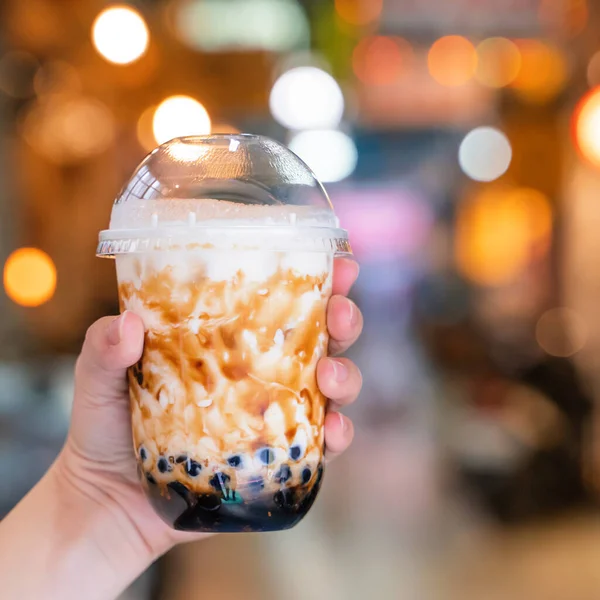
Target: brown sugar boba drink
point(224, 246)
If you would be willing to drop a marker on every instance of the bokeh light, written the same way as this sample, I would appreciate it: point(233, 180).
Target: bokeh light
point(543, 73)
point(593, 70)
point(359, 12)
point(224, 128)
point(500, 231)
point(499, 62)
point(179, 116)
point(57, 77)
point(561, 332)
point(452, 60)
point(307, 98)
point(29, 277)
point(217, 26)
point(144, 129)
point(485, 154)
point(120, 35)
point(68, 129)
point(586, 126)
point(332, 155)
point(566, 18)
point(381, 60)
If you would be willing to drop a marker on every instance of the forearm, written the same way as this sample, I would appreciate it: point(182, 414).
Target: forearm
point(59, 543)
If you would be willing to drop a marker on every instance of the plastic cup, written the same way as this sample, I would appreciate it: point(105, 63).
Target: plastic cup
point(224, 246)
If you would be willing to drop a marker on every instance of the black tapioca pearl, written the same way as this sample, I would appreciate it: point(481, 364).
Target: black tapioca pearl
point(163, 465)
point(284, 498)
point(143, 453)
point(209, 502)
point(295, 452)
point(181, 459)
point(150, 478)
point(181, 491)
point(283, 474)
point(306, 475)
point(256, 484)
point(234, 461)
point(266, 456)
point(220, 482)
point(192, 467)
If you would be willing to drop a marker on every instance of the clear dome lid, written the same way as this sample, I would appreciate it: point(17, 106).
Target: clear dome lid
point(242, 190)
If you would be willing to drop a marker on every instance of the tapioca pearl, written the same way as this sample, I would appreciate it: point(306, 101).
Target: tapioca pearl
point(256, 484)
point(180, 490)
point(181, 459)
point(296, 452)
point(143, 454)
point(266, 456)
point(235, 461)
point(284, 498)
point(220, 482)
point(283, 474)
point(209, 502)
point(306, 475)
point(150, 478)
point(163, 465)
point(192, 467)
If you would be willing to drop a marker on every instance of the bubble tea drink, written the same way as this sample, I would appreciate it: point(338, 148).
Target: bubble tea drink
point(224, 246)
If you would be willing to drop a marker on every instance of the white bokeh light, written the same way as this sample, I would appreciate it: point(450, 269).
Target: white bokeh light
point(485, 154)
point(307, 98)
point(120, 35)
point(332, 155)
point(178, 116)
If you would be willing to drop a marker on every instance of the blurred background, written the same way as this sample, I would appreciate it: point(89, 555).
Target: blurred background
point(460, 144)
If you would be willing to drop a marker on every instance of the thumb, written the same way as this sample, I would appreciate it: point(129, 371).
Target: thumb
point(111, 345)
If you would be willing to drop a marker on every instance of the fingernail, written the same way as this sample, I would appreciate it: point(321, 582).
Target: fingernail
point(353, 314)
point(115, 329)
point(340, 371)
point(342, 422)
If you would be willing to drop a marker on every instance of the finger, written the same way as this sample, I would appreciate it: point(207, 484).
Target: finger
point(345, 323)
point(339, 432)
point(111, 345)
point(345, 273)
point(340, 380)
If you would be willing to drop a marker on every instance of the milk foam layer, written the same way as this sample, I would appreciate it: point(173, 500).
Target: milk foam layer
point(225, 394)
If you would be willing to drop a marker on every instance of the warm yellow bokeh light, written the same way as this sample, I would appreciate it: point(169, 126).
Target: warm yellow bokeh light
point(543, 73)
point(179, 116)
point(29, 277)
point(452, 60)
point(120, 35)
point(225, 128)
point(381, 60)
point(145, 133)
point(359, 12)
point(499, 231)
point(586, 127)
point(499, 62)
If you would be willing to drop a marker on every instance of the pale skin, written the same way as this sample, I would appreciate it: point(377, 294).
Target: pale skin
point(86, 530)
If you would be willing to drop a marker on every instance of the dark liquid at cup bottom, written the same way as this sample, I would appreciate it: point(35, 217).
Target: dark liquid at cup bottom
point(226, 511)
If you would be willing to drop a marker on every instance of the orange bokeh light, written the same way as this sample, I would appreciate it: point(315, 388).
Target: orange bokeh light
point(452, 60)
point(586, 126)
point(381, 60)
point(499, 231)
point(359, 12)
point(543, 73)
point(499, 62)
point(29, 277)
